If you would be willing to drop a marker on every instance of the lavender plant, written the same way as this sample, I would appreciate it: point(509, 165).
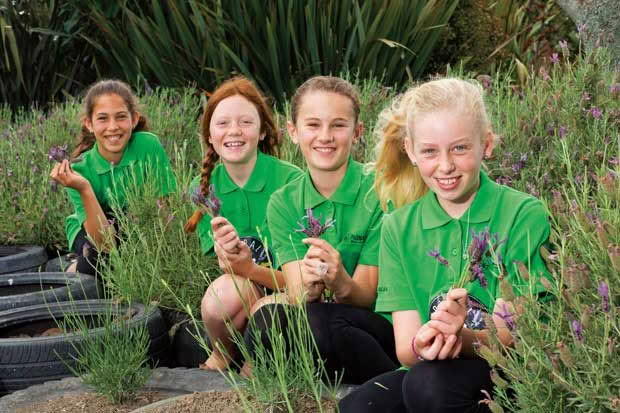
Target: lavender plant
point(314, 228)
point(58, 153)
point(209, 204)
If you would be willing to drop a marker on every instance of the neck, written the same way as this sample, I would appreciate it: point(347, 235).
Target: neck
point(240, 172)
point(326, 182)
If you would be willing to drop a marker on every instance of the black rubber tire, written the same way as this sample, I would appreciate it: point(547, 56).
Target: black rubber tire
point(21, 258)
point(186, 350)
point(28, 361)
point(59, 263)
point(74, 286)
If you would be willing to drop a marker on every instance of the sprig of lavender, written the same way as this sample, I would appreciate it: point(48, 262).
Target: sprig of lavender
point(58, 153)
point(210, 204)
point(314, 229)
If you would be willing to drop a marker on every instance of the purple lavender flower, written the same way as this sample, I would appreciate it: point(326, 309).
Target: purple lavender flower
point(562, 132)
point(520, 163)
point(211, 204)
point(614, 89)
point(476, 270)
point(595, 112)
point(563, 44)
point(577, 330)
point(581, 27)
point(603, 290)
point(555, 59)
point(437, 255)
point(507, 316)
point(614, 161)
point(314, 229)
point(58, 153)
point(586, 96)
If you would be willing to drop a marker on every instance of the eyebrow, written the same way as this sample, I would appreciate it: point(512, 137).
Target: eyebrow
point(465, 139)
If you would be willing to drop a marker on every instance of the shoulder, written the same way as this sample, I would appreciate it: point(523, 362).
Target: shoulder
point(283, 170)
point(145, 141)
point(519, 202)
point(405, 213)
point(290, 193)
point(83, 163)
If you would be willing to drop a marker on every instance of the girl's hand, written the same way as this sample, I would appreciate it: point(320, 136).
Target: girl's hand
point(451, 313)
point(239, 262)
point(324, 261)
point(225, 235)
point(430, 344)
point(64, 175)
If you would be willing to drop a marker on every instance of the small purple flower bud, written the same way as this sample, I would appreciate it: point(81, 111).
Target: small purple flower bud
point(614, 89)
point(562, 132)
point(211, 204)
point(577, 330)
point(581, 27)
point(595, 112)
point(508, 317)
point(603, 291)
point(58, 153)
point(478, 274)
point(437, 255)
point(563, 44)
point(586, 96)
point(555, 59)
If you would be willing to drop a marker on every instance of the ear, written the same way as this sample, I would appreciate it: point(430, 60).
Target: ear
point(292, 131)
point(409, 150)
point(88, 124)
point(489, 144)
point(359, 132)
point(135, 119)
point(262, 136)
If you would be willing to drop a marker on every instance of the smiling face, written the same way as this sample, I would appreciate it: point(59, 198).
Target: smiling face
point(112, 123)
point(448, 150)
point(235, 130)
point(325, 129)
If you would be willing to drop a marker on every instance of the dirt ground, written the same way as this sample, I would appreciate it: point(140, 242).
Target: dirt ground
point(92, 402)
point(204, 402)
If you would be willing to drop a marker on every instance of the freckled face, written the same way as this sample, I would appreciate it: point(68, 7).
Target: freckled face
point(112, 124)
point(448, 151)
point(325, 130)
point(235, 130)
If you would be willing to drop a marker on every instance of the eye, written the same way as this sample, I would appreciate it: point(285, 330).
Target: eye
point(428, 151)
point(313, 124)
point(247, 122)
point(460, 148)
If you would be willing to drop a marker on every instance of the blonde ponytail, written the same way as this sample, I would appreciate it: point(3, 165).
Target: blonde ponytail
point(396, 179)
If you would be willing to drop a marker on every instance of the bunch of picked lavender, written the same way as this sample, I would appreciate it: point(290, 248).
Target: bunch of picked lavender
point(209, 204)
point(314, 229)
point(58, 153)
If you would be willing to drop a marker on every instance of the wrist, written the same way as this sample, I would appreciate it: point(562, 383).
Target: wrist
point(416, 356)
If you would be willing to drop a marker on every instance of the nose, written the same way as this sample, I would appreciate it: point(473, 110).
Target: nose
point(325, 136)
point(234, 129)
point(446, 165)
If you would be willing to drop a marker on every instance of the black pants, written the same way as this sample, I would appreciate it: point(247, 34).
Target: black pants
point(447, 386)
point(88, 259)
point(350, 340)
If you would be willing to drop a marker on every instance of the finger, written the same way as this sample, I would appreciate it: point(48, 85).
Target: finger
point(459, 295)
point(447, 347)
point(452, 307)
point(444, 327)
point(217, 222)
point(431, 352)
point(457, 348)
point(319, 243)
point(425, 335)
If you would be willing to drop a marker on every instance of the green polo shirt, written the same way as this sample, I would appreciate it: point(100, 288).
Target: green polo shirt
point(246, 207)
point(410, 279)
point(354, 207)
point(143, 154)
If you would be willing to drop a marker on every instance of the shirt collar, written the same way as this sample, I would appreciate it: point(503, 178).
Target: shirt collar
point(102, 165)
point(256, 182)
point(346, 193)
point(480, 210)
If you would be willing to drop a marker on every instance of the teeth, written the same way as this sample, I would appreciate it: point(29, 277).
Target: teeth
point(324, 149)
point(448, 181)
point(233, 144)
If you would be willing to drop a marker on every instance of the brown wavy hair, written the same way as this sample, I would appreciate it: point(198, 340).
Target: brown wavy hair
point(86, 139)
point(241, 86)
point(325, 84)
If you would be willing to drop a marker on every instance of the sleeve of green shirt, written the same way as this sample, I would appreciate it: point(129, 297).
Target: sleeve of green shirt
point(393, 292)
point(370, 251)
point(286, 243)
point(530, 231)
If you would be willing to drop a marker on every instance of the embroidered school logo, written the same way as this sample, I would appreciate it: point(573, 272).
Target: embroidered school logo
point(475, 311)
point(355, 238)
point(260, 255)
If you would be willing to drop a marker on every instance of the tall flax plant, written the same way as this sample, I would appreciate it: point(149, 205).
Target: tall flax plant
point(561, 143)
point(152, 246)
point(278, 43)
point(41, 56)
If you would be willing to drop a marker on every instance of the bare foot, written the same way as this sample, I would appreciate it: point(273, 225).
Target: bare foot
point(72, 267)
point(215, 362)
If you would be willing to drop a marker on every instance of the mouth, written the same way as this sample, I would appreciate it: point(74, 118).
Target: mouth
point(324, 149)
point(234, 144)
point(114, 138)
point(448, 183)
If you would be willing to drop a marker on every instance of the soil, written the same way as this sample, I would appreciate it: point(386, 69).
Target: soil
point(229, 402)
point(92, 402)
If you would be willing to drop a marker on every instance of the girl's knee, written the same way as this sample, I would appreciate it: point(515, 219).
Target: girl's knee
point(221, 300)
